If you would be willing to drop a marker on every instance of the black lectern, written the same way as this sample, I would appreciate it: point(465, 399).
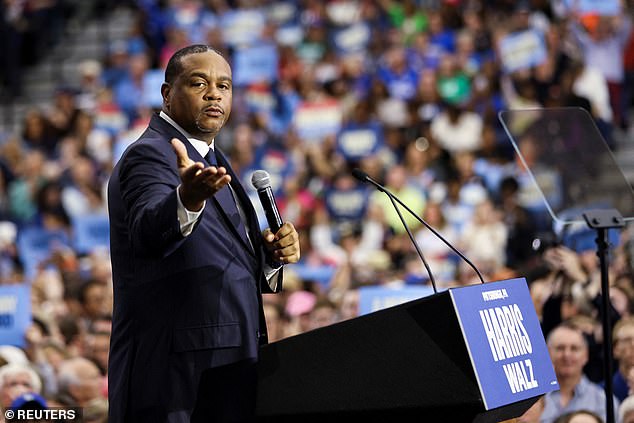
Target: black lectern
point(405, 363)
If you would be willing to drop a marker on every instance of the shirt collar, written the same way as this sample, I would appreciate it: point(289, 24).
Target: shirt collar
point(201, 146)
point(582, 386)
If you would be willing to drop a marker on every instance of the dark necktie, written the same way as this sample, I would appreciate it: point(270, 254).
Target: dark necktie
point(228, 202)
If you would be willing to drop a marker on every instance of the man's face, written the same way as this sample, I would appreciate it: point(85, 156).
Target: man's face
point(89, 383)
point(15, 385)
point(624, 347)
point(199, 99)
point(568, 352)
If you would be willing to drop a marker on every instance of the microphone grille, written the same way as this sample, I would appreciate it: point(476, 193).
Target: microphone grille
point(261, 179)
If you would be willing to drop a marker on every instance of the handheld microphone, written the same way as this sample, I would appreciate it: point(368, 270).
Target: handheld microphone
point(364, 177)
point(261, 181)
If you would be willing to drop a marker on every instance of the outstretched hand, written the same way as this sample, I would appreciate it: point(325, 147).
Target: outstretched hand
point(198, 182)
point(283, 245)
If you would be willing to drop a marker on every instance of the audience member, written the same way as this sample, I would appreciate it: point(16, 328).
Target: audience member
point(569, 352)
point(15, 380)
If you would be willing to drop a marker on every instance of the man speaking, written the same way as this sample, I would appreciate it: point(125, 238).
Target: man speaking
point(189, 263)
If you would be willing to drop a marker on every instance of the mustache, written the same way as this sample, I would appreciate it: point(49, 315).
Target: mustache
point(214, 108)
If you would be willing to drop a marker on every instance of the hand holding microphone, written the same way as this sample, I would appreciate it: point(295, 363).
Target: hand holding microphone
point(281, 239)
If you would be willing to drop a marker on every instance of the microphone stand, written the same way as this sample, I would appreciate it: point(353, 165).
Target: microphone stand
point(364, 177)
point(411, 237)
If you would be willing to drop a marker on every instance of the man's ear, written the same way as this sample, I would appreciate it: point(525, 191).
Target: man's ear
point(165, 93)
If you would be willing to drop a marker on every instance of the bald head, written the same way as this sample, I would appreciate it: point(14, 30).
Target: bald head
point(81, 379)
point(569, 352)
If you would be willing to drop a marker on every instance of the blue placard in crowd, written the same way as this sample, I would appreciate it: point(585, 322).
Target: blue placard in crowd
point(358, 142)
point(152, 82)
point(374, 298)
point(521, 50)
point(255, 64)
point(601, 7)
point(346, 204)
point(316, 120)
point(15, 314)
point(91, 232)
point(242, 27)
point(505, 341)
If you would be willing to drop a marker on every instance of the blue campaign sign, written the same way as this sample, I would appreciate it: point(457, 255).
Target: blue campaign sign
point(346, 204)
point(374, 298)
point(358, 142)
point(601, 7)
point(242, 27)
point(255, 64)
point(152, 81)
point(521, 50)
point(35, 246)
point(15, 313)
point(316, 120)
point(505, 341)
point(91, 232)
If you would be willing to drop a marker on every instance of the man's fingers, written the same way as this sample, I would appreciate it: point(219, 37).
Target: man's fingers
point(217, 184)
point(290, 254)
point(192, 171)
point(285, 230)
point(181, 153)
point(268, 235)
point(207, 181)
point(214, 178)
point(286, 244)
point(286, 240)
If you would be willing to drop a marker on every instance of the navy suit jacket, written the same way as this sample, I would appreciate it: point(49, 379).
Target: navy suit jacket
point(182, 305)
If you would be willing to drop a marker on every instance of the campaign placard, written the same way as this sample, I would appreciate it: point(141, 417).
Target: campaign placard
point(521, 50)
point(375, 298)
point(255, 64)
point(600, 7)
point(356, 143)
point(505, 341)
point(152, 82)
point(15, 313)
point(91, 232)
point(346, 204)
point(242, 27)
point(316, 120)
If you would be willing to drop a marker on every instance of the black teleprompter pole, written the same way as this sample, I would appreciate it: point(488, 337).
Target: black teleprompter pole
point(601, 221)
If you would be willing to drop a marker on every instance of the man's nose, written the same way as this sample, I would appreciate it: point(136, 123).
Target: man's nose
point(212, 93)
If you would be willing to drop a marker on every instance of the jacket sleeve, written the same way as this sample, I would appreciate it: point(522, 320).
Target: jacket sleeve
point(149, 179)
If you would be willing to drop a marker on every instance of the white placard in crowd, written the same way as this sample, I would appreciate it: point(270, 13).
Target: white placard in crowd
point(521, 50)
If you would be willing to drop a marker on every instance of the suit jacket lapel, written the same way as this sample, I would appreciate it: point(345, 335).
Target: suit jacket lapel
point(252, 220)
point(226, 204)
point(162, 126)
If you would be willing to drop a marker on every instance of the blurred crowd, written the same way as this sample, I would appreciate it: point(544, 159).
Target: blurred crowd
point(29, 30)
point(408, 91)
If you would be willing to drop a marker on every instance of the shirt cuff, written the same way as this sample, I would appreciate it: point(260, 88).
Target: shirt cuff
point(187, 219)
point(272, 275)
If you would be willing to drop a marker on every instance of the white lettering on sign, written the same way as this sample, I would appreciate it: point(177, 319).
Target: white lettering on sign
point(505, 332)
point(8, 304)
point(496, 294)
point(520, 375)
